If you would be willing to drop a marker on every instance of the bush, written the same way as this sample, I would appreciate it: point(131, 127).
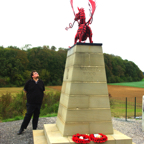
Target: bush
point(49, 84)
point(5, 101)
point(18, 104)
point(50, 99)
point(124, 79)
point(7, 79)
point(2, 82)
point(59, 82)
point(11, 107)
point(117, 79)
point(54, 82)
point(129, 79)
point(112, 79)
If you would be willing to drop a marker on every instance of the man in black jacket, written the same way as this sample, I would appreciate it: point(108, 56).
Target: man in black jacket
point(34, 89)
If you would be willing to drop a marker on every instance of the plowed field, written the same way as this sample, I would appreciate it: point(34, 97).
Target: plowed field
point(120, 92)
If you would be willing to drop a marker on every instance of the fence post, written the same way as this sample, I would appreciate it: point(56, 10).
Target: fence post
point(126, 110)
point(135, 108)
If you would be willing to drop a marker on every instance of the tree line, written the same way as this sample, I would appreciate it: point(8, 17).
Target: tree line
point(119, 70)
point(16, 65)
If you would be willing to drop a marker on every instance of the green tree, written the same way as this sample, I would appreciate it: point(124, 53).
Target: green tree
point(53, 48)
point(26, 47)
point(45, 76)
point(46, 47)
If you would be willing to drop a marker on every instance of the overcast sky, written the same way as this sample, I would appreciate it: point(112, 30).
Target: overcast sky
point(117, 24)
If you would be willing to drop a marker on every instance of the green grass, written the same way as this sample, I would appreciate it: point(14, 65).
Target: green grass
point(139, 84)
point(21, 117)
point(49, 115)
point(13, 119)
point(118, 109)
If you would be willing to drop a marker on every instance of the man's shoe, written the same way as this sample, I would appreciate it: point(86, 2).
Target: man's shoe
point(20, 131)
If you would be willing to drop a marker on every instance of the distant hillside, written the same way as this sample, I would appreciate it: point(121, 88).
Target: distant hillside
point(119, 70)
point(16, 65)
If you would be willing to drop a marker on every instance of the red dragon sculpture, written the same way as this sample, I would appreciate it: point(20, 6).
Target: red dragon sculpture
point(84, 30)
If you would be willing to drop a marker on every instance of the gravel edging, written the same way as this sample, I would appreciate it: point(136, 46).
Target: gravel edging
point(131, 128)
point(8, 130)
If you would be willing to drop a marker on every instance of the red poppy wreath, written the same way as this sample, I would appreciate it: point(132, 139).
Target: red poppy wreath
point(81, 138)
point(98, 138)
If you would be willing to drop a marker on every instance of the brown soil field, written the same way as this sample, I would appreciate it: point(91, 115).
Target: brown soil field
point(120, 92)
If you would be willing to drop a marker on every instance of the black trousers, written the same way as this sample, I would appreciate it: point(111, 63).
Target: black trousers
point(32, 109)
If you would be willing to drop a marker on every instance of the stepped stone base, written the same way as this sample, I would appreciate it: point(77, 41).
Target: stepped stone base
point(51, 135)
point(39, 137)
point(84, 103)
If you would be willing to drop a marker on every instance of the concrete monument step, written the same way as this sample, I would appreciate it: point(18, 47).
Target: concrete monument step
point(51, 135)
point(39, 137)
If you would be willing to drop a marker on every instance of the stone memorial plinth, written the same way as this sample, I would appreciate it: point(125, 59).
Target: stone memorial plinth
point(84, 103)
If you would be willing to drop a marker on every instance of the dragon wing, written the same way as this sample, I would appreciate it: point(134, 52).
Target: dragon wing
point(92, 5)
point(71, 1)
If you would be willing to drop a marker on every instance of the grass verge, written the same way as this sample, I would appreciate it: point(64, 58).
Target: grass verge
point(118, 109)
point(21, 117)
point(139, 84)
